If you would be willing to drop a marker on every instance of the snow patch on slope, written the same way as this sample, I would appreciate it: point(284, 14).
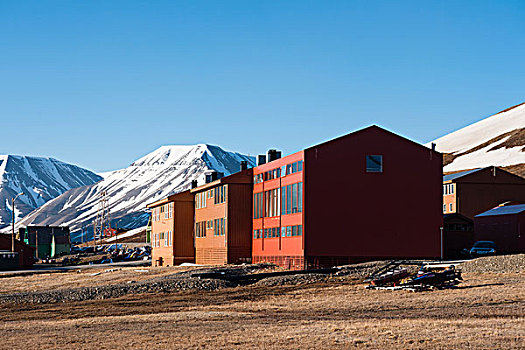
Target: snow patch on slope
point(461, 142)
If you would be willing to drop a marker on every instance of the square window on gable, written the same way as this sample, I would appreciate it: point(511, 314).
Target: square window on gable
point(374, 163)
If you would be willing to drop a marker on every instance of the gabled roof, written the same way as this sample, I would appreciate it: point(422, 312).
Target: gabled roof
point(455, 176)
point(504, 210)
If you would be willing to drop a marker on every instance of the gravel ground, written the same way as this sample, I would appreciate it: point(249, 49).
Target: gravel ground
point(496, 264)
point(188, 280)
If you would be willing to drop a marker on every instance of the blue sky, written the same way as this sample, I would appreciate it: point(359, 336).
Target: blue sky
point(101, 83)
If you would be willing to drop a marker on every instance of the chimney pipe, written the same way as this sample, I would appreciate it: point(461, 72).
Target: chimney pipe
point(244, 165)
point(261, 159)
point(193, 183)
point(433, 146)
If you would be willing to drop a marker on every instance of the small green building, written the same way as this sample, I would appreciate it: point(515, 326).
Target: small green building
point(52, 240)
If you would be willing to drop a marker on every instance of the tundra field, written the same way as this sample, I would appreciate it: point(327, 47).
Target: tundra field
point(166, 308)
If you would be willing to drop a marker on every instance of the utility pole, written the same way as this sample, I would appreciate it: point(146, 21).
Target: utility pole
point(13, 221)
point(36, 244)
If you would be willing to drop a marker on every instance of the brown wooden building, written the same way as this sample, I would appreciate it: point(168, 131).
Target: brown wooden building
point(172, 230)
point(469, 193)
point(223, 223)
point(505, 226)
point(472, 192)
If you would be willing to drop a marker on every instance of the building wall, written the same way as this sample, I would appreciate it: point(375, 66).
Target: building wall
point(25, 252)
point(357, 215)
point(507, 231)
point(161, 254)
point(284, 251)
point(481, 191)
point(449, 198)
point(211, 249)
point(183, 234)
point(239, 222)
point(234, 245)
point(180, 224)
point(458, 234)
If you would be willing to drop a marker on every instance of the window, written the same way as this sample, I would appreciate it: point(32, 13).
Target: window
point(444, 208)
point(200, 229)
point(374, 164)
point(292, 231)
point(170, 238)
point(450, 206)
point(292, 199)
point(220, 194)
point(166, 235)
point(200, 200)
point(220, 227)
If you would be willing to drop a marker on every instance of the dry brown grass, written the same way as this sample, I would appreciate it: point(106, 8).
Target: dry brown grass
point(487, 312)
point(82, 278)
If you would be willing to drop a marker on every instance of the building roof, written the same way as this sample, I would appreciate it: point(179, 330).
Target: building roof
point(504, 210)
point(241, 177)
point(455, 176)
point(167, 199)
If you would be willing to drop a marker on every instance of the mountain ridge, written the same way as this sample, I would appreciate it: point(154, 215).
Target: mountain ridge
point(40, 178)
point(166, 170)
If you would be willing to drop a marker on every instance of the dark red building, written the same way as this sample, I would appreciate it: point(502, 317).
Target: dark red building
point(504, 225)
point(367, 195)
point(25, 252)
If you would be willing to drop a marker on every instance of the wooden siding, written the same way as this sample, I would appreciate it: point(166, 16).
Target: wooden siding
point(181, 227)
point(235, 245)
point(239, 233)
point(349, 212)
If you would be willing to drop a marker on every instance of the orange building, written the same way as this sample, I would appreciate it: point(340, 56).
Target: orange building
point(223, 223)
point(172, 230)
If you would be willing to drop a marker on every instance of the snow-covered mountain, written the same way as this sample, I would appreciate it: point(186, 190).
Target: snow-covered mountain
point(497, 140)
point(41, 179)
point(167, 170)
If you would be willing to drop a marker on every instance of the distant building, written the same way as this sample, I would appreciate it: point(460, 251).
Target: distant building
point(504, 225)
point(367, 195)
point(472, 192)
point(24, 253)
point(469, 193)
point(223, 223)
point(172, 230)
point(50, 240)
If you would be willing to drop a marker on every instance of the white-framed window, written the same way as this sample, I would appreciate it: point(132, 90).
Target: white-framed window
point(170, 238)
point(450, 206)
point(444, 208)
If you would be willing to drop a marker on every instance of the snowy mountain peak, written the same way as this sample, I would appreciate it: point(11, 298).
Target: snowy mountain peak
point(40, 179)
point(166, 170)
point(497, 140)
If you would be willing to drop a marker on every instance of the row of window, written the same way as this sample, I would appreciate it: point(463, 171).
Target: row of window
point(162, 236)
point(292, 199)
point(166, 209)
point(218, 226)
point(458, 227)
point(445, 207)
point(279, 172)
point(284, 200)
point(273, 232)
point(218, 193)
point(448, 189)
